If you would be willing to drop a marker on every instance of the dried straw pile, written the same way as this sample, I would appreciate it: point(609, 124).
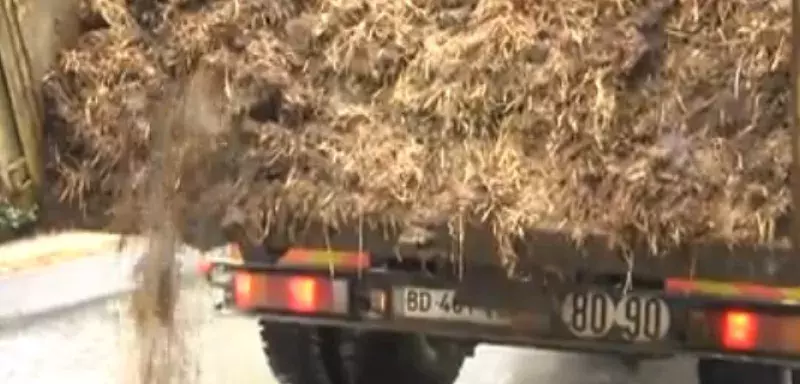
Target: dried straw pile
point(654, 120)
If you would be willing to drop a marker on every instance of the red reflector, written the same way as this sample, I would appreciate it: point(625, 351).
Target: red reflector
point(303, 294)
point(204, 267)
point(739, 330)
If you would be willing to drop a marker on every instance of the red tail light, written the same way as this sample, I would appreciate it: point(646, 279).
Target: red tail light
point(243, 290)
point(739, 330)
point(303, 294)
point(293, 293)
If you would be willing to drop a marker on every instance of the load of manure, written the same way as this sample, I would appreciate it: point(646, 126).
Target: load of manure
point(659, 121)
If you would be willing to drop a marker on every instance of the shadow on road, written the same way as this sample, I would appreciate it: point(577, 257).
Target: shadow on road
point(507, 365)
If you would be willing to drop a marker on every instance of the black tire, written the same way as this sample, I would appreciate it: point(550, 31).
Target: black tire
point(710, 371)
point(299, 354)
point(394, 358)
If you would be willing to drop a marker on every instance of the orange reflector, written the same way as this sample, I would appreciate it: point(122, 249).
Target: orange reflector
point(739, 330)
point(303, 294)
point(321, 258)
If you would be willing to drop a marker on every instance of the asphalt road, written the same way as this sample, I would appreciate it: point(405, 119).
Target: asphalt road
point(90, 344)
point(86, 341)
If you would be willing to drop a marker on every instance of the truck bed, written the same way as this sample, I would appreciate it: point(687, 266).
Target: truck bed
point(545, 250)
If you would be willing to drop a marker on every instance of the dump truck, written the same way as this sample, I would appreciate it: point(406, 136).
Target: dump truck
point(412, 178)
point(358, 302)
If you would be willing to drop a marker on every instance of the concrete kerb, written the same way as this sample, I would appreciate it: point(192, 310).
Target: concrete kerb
point(54, 272)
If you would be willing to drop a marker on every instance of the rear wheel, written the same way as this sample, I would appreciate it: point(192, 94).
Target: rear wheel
point(395, 358)
point(710, 371)
point(300, 354)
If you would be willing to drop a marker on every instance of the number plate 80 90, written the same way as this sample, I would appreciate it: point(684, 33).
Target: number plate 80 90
point(637, 317)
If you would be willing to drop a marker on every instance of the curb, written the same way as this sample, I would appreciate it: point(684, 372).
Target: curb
point(50, 273)
point(49, 249)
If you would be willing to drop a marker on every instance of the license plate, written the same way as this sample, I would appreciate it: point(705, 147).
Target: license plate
point(440, 304)
point(638, 318)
